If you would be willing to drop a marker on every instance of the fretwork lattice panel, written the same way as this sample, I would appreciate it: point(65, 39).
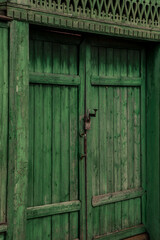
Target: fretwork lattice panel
point(143, 13)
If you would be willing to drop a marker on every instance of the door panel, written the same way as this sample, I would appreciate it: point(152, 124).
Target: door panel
point(115, 86)
point(85, 182)
point(53, 161)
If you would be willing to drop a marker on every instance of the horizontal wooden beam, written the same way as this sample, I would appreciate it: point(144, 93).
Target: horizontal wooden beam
point(116, 197)
point(53, 209)
point(3, 228)
point(115, 81)
point(125, 233)
point(56, 79)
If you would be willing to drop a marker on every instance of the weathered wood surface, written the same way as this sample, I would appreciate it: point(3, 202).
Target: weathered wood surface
point(117, 197)
point(136, 19)
point(53, 146)
point(114, 142)
point(117, 235)
point(3, 121)
point(139, 237)
point(3, 228)
point(56, 79)
point(53, 209)
point(18, 130)
point(115, 81)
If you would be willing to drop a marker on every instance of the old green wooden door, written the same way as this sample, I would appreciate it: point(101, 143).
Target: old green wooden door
point(55, 106)
point(100, 196)
point(115, 79)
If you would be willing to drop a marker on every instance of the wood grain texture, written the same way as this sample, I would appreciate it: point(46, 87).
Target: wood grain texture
point(18, 130)
point(139, 237)
point(4, 122)
point(53, 162)
point(114, 140)
point(128, 232)
point(53, 209)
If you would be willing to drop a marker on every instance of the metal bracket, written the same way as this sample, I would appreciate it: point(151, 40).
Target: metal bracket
point(82, 156)
point(88, 118)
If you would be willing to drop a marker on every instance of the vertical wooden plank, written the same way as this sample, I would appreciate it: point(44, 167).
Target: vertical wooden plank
point(124, 154)
point(137, 152)
point(124, 63)
point(110, 126)
point(18, 130)
point(31, 138)
point(31, 55)
point(56, 160)
point(110, 59)
point(46, 164)
point(89, 165)
point(102, 140)
point(47, 140)
point(110, 156)
point(117, 155)
point(103, 156)
point(31, 157)
point(56, 58)
point(65, 158)
point(133, 67)
point(134, 63)
point(73, 160)
point(143, 114)
point(93, 155)
point(117, 138)
point(31, 127)
point(123, 109)
point(56, 156)
point(130, 153)
point(3, 121)
point(48, 57)
point(82, 138)
point(65, 141)
point(73, 122)
point(38, 156)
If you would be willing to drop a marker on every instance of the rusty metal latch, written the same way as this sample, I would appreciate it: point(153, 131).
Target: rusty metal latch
point(88, 118)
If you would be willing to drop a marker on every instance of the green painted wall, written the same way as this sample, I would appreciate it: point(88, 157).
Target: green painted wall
point(153, 141)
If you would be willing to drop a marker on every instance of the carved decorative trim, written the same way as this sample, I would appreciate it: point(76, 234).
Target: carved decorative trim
point(144, 13)
point(85, 25)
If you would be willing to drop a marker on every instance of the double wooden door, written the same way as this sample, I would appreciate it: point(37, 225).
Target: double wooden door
point(87, 138)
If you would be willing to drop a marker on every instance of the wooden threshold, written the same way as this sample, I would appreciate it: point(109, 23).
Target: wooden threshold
point(55, 79)
point(139, 237)
point(122, 234)
point(53, 209)
point(117, 197)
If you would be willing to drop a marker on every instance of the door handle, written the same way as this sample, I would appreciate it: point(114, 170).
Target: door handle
point(88, 118)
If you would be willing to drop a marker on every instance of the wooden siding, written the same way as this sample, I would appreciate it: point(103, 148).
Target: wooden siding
point(3, 121)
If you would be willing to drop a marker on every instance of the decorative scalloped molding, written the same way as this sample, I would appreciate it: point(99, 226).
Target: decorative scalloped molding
point(144, 13)
point(85, 25)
